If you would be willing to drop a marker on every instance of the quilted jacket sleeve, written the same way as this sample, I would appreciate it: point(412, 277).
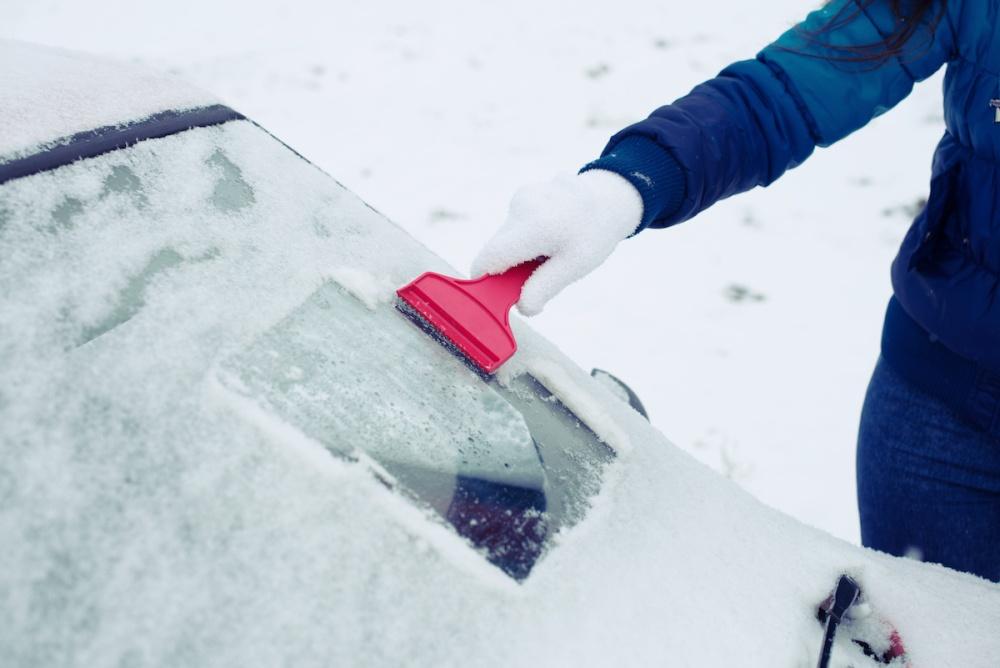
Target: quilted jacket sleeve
point(761, 117)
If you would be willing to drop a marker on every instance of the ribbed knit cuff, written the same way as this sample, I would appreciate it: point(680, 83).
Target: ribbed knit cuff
point(654, 172)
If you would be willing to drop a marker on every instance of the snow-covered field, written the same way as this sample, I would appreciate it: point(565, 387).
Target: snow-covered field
point(749, 333)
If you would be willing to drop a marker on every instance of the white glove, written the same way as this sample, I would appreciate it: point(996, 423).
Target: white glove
point(575, 221)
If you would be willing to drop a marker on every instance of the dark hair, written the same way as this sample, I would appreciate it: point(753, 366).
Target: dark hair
point(910, 16)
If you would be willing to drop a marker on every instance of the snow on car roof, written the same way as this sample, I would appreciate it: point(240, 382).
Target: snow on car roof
point(48, 94)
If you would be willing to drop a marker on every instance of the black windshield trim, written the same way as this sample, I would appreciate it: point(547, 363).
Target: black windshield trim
point(92, 143)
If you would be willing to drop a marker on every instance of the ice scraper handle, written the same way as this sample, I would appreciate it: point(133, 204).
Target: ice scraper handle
point(501, 291)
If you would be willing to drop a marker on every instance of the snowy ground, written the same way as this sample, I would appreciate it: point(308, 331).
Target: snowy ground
point(749, 333)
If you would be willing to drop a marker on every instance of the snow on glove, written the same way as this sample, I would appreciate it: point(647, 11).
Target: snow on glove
point(575, 221)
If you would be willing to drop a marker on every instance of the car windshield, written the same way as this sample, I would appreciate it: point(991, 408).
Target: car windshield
point(161, 231)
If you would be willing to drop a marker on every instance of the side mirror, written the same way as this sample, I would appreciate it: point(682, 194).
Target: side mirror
point(620, 390)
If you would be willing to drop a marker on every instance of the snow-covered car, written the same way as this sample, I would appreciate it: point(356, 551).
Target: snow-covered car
point(220, 444)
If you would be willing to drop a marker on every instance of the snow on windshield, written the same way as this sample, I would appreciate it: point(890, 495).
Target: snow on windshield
point(131, 285)
point(147, 295)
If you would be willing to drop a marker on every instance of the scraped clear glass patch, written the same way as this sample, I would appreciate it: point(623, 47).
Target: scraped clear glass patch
point(506, 467)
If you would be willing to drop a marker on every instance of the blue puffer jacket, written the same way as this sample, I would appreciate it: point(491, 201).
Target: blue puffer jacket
point(760, 117)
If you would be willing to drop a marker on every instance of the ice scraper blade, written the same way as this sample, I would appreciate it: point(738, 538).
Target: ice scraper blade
point(471, 317)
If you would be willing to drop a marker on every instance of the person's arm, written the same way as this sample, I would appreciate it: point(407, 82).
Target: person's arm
point(743, 128)
point(760, 117)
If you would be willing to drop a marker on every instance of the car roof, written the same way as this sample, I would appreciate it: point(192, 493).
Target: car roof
point(48, 94)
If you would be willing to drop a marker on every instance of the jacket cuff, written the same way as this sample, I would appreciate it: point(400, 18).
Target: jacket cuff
point(649, 167)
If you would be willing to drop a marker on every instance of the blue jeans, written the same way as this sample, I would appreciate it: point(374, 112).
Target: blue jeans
point(928, 482)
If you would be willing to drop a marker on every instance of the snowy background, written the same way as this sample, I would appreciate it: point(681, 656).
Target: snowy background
point(749, 332)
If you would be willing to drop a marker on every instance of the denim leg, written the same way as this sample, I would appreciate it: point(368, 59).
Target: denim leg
point(928, 483)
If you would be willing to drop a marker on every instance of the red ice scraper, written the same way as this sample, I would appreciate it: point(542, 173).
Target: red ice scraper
point(468, 316)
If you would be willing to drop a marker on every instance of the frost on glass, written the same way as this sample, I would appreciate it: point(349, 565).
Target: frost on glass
point(142, 294)
point(497, 463)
